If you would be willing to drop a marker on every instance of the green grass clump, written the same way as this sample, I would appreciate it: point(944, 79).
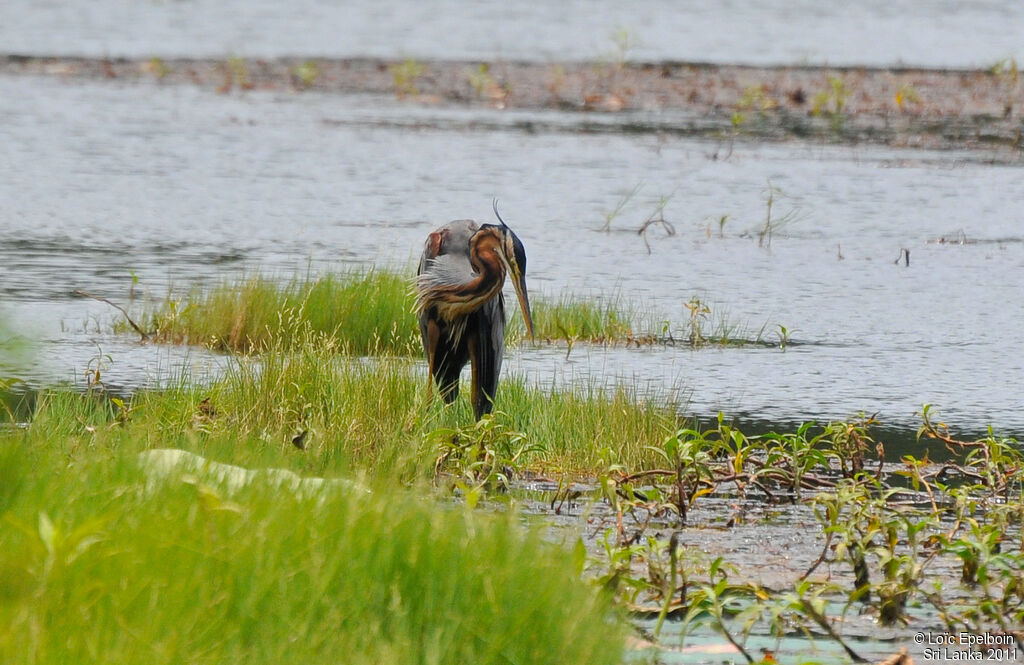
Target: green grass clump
point(96, 566)
point(586, 430)
point(570, 320)
point(364, 312)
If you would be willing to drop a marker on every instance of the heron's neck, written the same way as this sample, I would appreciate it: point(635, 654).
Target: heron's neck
point(489, 268)
point(489, 277)
point(453, 299)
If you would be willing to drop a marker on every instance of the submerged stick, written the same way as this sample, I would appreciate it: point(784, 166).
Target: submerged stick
point(822, 621)
point(820, 559)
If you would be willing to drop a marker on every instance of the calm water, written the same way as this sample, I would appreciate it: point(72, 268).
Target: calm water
point(179, 187)
point(867, 32)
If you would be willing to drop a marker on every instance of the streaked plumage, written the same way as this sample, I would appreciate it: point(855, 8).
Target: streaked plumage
point(461, 308)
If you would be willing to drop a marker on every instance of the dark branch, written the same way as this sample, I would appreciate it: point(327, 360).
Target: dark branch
point(142, 333)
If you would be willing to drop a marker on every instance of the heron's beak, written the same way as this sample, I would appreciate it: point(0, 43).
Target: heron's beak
point(519, 281)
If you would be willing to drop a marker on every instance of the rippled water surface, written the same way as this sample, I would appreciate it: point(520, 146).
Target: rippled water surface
point(177, 187)
point(863, 32)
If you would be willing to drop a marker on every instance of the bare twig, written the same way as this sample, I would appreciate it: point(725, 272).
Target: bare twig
point(657, 217)
point(953, 467)
point(142, 333)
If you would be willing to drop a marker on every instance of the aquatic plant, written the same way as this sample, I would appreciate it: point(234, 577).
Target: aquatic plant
point(890, 538)
point(12, 347)
point(611, 93)
point(624, 41)
point(556, 81)
point(831, 102)
point(754, 98)
point(485, 86)
point(305, 74)
point(361, 311)
point(405, 75)
point(1006, 70)
point(906, 94)
point(620, 205)
point(236, 75)
point(571, 319)
point(158, 68)
point(480, 457)
point(774, 224)
point(657, 218)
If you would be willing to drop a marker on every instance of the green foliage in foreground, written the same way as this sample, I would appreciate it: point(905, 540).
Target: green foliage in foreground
point(364, 312)
point(96, 566)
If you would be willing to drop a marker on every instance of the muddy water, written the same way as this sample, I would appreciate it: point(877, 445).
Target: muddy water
point(864, 32)
point(175, 187)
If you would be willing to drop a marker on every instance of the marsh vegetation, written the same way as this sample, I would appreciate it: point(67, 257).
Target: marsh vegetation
point(369, 312)
point(648, 483)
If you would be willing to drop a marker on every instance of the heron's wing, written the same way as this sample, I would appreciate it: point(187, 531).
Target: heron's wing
point(452, 239)
point(442, 271)
point(445, 260)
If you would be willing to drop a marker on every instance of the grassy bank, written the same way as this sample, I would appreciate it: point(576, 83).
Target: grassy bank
point(381, 562)
point(373, 415)
point(96, 566)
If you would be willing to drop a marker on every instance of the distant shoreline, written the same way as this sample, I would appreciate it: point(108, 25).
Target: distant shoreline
point(899, 106)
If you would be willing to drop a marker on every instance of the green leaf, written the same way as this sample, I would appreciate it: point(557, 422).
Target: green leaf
point(579, 556)
point(47, 532)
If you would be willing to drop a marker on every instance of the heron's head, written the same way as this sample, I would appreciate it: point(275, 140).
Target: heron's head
point(514, 254)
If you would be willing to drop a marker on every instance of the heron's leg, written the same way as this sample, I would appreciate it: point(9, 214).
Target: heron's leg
point(447, 361)
point(447, 373)
point(431, 335)
point(486, 361)
point(481, 401)
point(445, 358)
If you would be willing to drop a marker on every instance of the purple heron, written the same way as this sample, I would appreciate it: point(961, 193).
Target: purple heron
point(461, 309)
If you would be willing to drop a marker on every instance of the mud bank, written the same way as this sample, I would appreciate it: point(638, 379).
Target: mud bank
point(926, 108)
